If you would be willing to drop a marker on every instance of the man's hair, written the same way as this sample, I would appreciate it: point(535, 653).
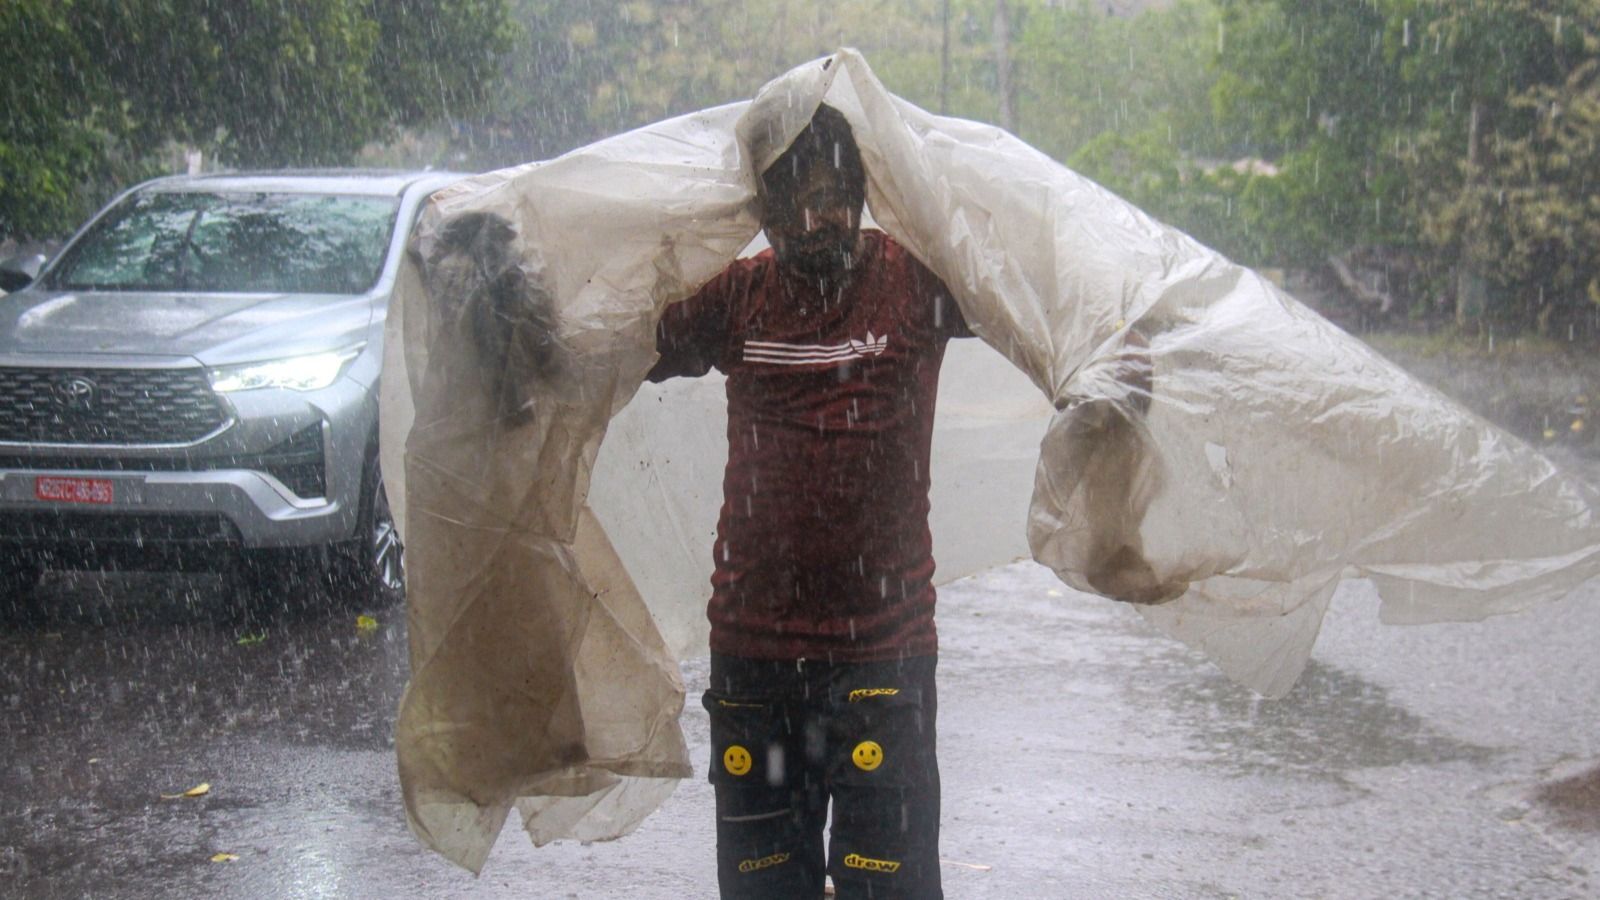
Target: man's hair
point(826, 140)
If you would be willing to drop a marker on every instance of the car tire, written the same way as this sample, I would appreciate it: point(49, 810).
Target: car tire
point(365, 573)
point(369, 572)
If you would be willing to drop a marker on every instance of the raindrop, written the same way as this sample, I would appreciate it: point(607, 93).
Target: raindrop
point(775, 764)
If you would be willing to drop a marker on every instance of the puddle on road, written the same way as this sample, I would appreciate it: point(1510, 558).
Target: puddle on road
point(1573, 802)
point(124, 661)
point(1331, 723)
point(133, 685)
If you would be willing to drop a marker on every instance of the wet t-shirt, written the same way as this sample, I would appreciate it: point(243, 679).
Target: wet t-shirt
point(823, 549)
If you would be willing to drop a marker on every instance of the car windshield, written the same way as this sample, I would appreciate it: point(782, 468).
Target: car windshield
point(233, 243)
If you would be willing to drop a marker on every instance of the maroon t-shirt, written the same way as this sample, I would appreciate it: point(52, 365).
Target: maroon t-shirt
point(823, 549)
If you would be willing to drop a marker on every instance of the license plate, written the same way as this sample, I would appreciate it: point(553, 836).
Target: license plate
point(73, 490)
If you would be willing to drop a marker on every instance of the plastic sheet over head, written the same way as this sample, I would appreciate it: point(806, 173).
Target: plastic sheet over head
point(1210, 448)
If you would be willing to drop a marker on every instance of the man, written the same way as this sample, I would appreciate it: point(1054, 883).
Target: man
point(822, 632)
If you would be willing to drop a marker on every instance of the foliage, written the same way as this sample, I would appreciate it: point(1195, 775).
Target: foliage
point(1458, 133)
point(55, 137)
point(1462, 130)
point(257, 82)
point(583, 70)
point(1525, 208)
point(1085, 74)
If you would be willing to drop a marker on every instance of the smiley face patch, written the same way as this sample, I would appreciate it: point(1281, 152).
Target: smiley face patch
point(736, 760)
point(867, 756)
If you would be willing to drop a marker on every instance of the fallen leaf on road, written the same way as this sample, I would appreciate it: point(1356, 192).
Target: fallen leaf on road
point(199, 790)
point(366, 623)
point(248, 639)
point(224, 857)
point(965, 865)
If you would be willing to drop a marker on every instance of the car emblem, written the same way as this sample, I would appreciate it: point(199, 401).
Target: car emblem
point(76, 394)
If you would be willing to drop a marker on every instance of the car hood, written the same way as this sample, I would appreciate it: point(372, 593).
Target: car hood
point(216, 329)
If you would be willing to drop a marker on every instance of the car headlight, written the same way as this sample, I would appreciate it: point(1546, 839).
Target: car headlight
point(299, 373)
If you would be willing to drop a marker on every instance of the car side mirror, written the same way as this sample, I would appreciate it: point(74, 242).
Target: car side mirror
point(18, 272)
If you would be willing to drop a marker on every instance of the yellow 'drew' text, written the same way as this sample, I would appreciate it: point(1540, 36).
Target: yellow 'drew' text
point(857, 861)
point(766, 862)
point(860, 694)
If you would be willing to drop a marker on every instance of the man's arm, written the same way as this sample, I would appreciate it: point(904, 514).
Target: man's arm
point(947, 318)
point(693, 334)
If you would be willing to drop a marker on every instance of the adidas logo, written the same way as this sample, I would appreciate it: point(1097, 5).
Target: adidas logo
point(781, 354)
point(872, 346)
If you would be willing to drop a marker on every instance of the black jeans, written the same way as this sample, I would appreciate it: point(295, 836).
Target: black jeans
point(789, 736)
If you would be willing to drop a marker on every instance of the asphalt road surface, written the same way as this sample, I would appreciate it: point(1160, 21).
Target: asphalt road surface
point(1083, 756)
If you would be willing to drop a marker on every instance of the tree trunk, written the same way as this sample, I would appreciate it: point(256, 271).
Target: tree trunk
point(1471, 289)
point(944, 59)
point(1002, 65)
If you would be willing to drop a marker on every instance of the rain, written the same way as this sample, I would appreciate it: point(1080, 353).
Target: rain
point(420, 415)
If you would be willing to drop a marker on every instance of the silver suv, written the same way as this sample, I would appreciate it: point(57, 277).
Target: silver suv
point(192, 382)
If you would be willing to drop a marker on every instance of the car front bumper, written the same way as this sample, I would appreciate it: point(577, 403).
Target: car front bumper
point(222, 490)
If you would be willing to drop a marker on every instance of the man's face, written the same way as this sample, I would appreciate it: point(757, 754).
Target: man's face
point(814, 229)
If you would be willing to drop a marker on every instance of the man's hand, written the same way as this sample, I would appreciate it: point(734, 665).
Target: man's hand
point(1133, 368)
point(474, 271)
point(1102, 451)
point(1102, 447)
point(1124, 575)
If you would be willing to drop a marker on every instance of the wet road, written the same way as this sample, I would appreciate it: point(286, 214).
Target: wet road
point(1083, 756)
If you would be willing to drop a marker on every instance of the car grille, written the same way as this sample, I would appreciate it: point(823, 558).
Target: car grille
point(49, 527)
point(297, 462)
point(48, 405)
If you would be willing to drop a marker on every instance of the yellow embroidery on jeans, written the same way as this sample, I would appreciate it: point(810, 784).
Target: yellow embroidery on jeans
point(860, 694)
point(857, 861)
point(765, 862)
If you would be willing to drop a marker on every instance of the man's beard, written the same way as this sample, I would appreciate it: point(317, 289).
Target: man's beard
point(822, 256)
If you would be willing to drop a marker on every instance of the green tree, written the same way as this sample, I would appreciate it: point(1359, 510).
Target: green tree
point(256, 82)
point(1428, 126)
point(1504, 168)
point(61, 120)
point(583, 70)
point(1084, 74)
point(1314, 86)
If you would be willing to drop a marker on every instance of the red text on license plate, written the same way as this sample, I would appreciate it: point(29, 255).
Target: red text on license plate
point(72, 490)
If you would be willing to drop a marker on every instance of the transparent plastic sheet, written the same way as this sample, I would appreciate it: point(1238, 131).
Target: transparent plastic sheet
point(1275, 456)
